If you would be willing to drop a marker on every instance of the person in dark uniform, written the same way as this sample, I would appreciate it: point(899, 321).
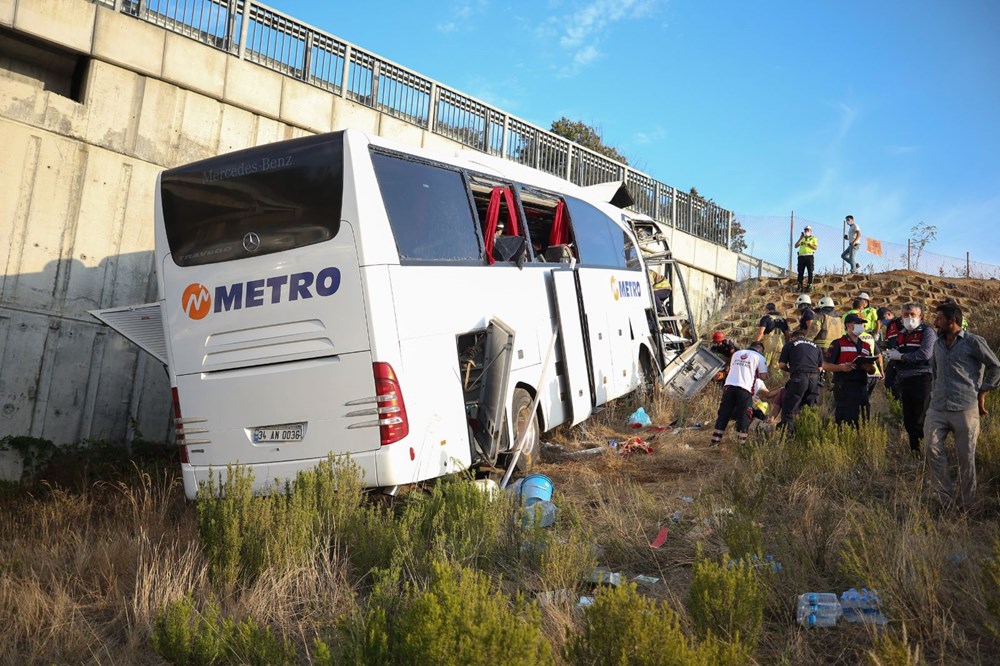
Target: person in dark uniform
point(911, 357)
point(803, 360)
point(890, 338)
point(851, 360)
point(724, 348)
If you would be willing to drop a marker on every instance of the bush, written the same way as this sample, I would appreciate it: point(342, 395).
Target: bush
point(726, 600)
point(183, 635)
point(460, 618)
point(243, 534)
point(623, 627)
point(456, 520)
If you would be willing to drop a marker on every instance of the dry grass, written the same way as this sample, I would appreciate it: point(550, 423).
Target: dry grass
point(84, 574)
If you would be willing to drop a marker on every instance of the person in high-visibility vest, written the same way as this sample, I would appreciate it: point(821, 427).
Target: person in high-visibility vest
point(807, 244)
point(662, 291)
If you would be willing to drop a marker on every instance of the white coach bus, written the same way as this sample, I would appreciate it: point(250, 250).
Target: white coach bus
point(342, 294)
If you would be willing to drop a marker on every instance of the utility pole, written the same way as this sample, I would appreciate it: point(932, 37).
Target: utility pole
point(791, 241)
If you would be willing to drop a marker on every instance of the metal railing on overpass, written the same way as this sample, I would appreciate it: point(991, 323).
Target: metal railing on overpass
point(260, 34)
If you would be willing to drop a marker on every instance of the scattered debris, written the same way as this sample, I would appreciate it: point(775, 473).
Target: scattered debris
point(676, 518)
point(650, 580)
point(660, 538)
point(556, 596)
point(584, 602)
point(543, 512)
point(634, 445)
point(605, 576)
point(639, 419)
point(685, 498)
point(758, 562)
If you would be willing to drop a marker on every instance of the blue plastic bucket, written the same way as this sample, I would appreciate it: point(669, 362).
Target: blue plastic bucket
point(535, 488)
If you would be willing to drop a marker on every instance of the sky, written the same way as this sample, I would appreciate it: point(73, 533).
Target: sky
point(887, 110)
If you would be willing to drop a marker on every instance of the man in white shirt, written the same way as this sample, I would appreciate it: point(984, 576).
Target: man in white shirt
point(745, 367)
point(853, 238)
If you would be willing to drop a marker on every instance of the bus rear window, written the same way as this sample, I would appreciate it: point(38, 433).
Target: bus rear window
point(255, 201)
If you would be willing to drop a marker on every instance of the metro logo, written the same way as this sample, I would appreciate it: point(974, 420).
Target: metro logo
point(625, 289)
point(197, 301)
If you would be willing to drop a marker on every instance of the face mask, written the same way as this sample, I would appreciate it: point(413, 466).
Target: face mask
point(886, 321)
point(911, 323)
point(859, 329)
point(807, 234)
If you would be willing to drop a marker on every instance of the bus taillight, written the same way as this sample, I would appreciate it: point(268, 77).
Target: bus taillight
point(178, 428)
point(392, 422)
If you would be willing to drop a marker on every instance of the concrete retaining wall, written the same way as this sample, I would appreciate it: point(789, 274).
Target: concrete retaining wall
point(76, 211)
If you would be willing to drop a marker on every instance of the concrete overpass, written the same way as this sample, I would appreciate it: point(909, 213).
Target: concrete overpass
point(97, 97)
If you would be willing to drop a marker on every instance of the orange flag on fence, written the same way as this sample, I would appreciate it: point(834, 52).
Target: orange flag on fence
point(874, 247)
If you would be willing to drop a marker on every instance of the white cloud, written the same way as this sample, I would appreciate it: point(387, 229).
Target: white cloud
point(461, 15)
point(581, 27)
point(652, 136)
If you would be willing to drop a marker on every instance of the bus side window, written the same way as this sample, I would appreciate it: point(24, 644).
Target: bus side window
point(598, 238)
point(428, 209)
point(499, 220)
point(547, 221)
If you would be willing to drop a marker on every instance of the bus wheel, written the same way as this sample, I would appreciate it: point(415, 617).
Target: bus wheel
point(531, 452)
point(648, 374)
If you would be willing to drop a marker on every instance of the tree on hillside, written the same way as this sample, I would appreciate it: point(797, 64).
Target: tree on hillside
point(738, 238)
point(587, 136)
point(921, 234)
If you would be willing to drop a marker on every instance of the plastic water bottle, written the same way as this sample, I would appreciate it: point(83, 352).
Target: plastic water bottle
point(818, 609)
point(543, 512)
point(862, 606)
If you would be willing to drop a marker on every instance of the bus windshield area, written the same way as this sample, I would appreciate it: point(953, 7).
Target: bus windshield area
point(255, 201)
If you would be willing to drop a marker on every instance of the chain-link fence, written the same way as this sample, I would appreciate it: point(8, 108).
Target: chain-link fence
point(772, 238)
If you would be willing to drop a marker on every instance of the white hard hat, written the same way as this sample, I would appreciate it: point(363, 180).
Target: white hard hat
point(826, 302)
point(803, 299)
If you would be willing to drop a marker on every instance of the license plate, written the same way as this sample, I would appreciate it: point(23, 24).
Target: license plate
point(286, 432)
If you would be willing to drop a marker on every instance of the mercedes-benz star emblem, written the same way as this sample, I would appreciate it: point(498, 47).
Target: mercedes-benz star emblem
point(251, 242)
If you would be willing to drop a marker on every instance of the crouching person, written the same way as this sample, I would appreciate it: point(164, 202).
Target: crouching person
point(745, 366)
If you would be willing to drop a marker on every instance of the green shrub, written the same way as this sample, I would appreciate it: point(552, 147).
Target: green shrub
point(183, 635)
point(726, 600)
point(742, 534)
point(624, 627)
point(243, 534)
point(459, 618)
point(456, 519)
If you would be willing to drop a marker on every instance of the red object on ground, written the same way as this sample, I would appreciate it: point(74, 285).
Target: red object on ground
point(660, 538)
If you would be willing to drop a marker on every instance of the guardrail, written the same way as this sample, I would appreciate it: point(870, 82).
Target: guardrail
point(260, 34)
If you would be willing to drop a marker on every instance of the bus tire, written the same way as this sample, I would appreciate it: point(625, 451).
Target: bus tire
point(531, 453)
point(648, 373)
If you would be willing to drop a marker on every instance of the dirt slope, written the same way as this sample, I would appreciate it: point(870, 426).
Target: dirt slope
point(739, 318)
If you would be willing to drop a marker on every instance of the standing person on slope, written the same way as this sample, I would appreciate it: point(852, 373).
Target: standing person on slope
point(853, 238)
point(807, 244)
point(964, 369)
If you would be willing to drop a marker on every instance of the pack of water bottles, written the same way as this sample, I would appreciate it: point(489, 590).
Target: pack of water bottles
point(824, 609)
point(862, 606)
point(818, 609)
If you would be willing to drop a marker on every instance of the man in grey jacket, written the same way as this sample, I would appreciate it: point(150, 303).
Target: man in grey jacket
point(964, 370)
